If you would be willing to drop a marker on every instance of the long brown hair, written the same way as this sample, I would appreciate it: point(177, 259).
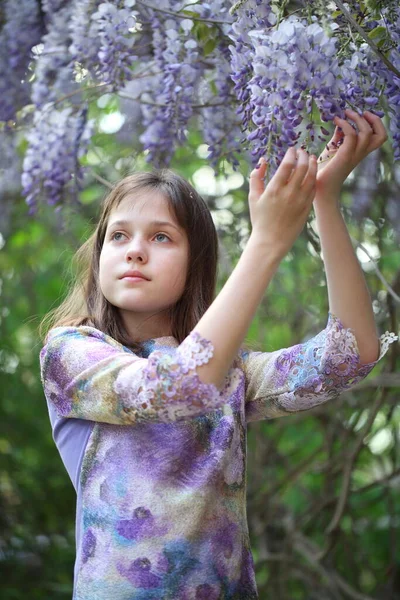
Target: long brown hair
point(85, 303)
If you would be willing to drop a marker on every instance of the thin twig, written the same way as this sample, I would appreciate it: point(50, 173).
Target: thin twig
point(377, 482)
point(237, 5)
point(307, 549)
point(79, 90)
point(365, 37)
point(294, 473)
point(386, 380)
point(101, 180)
point(378, 272)
point(347, 472)
point(348, 590)
point(138, 75)
point(183, 16)
point(123, 95)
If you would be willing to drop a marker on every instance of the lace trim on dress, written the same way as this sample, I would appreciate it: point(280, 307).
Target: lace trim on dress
point(325, 367)
point(340, 332)
point(169, 386)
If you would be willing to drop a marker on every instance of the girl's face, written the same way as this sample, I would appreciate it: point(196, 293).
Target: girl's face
point(159, 251)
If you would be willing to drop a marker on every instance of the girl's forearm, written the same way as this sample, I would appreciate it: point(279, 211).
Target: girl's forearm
point(349, 297)
point(227, 320)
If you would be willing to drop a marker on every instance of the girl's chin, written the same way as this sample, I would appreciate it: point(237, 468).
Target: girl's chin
point(142, 307)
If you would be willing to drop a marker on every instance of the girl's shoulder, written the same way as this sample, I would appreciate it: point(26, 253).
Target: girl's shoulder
point(72, 330)
point(80, 333)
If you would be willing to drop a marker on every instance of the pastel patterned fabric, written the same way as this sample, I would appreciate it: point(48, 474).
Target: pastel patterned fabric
point(158, 458)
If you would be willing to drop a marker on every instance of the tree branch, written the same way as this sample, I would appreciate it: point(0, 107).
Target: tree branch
point(183, 16)
point(341, 504)
point(101, 180)
point(128, 97)
point(365, 37)
point(378, 272)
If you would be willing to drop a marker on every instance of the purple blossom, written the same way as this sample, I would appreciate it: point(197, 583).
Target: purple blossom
point(56, 140)
point(10, 178)
point(176, 56)
point(272, 84)
point(369, 80)
point(221, 125)
point(103, 35)
point(52, 6)
point(54, 68)
point(22, 30)
point(391, 84)
point(295, 71)
point(129, 105)
point(253, 16)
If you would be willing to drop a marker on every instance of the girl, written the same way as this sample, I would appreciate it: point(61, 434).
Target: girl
point(149, 390)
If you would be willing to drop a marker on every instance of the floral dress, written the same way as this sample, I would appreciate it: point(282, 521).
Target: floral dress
point(158, 458)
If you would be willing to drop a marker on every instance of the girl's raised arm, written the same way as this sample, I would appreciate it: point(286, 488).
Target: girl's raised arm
point(88, 375)
point(297, 378)
point(302, 376)
point(278, 215)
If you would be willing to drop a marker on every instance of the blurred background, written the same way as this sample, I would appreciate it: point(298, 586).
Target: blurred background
point(297, 466)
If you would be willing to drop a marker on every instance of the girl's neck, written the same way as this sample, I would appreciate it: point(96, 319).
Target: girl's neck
point(144, 329)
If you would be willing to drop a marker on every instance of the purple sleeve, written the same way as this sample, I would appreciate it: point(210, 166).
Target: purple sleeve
point(88, 375)
point(305, 375)
point(71, 437)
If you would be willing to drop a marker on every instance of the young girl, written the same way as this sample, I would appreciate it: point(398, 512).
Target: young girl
point(149, 390)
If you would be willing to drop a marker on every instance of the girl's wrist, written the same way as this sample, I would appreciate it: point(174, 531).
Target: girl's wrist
point(331, 198)
point(266, 246)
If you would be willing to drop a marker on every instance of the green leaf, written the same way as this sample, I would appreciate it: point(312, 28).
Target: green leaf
point(378, 32)
point(90, 194)
point(213, 88)
point(209, 46)
point(202, 31)
point(190, 13)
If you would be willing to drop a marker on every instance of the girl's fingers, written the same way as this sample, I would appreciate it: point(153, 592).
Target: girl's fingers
point(362, 124)
point(365, 131)
point(301, 168)
point(286, 167)
point(380, 134)
point(309, 180)
point(371, 131)
point(350, 135)
point(256, 185)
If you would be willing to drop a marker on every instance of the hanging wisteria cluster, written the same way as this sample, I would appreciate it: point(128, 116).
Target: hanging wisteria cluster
point(15, 55)
point(255, 78)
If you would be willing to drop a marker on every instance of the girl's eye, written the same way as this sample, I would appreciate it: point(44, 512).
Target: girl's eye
point(162, 235)
point(116, 233)
point(120, 233)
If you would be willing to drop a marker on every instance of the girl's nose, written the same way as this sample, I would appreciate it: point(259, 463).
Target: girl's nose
point(136, 251)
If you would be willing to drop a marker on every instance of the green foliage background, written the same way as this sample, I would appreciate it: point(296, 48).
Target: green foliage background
point(295, 464)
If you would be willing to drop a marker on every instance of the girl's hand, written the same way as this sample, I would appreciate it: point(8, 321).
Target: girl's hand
point(347, 149)
point(278, 212)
